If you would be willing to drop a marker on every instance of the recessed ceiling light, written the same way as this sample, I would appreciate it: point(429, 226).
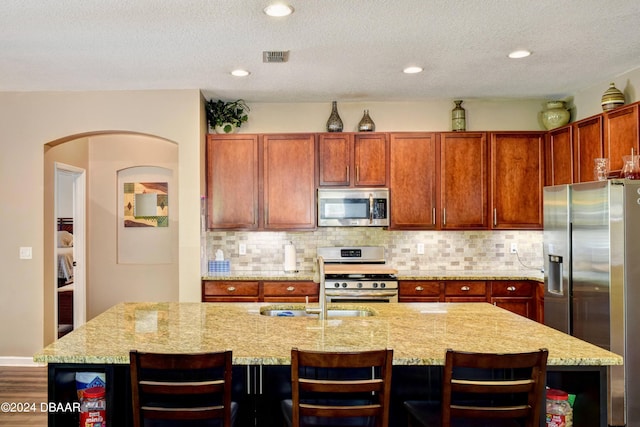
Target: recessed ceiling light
point(240, 73)
point(412, 70)
point(517, 54)
point(278, 10)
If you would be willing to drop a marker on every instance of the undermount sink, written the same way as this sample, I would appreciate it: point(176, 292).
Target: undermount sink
point(331, 312)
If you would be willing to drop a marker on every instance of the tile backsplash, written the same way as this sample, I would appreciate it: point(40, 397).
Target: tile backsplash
point(443, 250)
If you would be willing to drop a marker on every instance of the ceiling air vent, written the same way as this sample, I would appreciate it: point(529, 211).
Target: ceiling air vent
point(275, 56)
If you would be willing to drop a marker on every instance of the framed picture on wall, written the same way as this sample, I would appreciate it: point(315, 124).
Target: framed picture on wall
point(146, 204)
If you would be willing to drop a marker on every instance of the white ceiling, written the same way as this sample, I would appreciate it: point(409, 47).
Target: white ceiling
point(345, 50)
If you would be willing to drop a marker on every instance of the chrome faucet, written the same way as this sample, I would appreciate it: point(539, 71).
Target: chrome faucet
point(322, 309)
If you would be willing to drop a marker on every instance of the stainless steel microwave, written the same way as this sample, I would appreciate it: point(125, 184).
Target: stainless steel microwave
point(353, 207)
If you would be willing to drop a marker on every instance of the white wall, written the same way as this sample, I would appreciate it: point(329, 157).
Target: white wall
point(28, 121)
point(113, 279)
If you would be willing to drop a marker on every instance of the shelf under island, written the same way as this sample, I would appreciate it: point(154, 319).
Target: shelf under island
point(419, 334)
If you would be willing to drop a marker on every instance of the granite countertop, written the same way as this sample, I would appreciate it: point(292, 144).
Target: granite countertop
point(534, 275)
point(419, 333)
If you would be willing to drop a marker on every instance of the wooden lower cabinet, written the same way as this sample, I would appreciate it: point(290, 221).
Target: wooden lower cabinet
point(540, 303)
point(259, 291)
point(465, 291)
point(287, 291)
point(419, 291)
point(230, 291)
point(518, 296)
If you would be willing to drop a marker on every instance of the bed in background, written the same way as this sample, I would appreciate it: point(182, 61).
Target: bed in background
point(65, 251)
point(65, 276)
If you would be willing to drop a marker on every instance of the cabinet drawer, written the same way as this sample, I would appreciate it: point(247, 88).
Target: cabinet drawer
point(465, 287)
point(511, 288)
point(419, 288)
point(230, 288)
point(285, 289)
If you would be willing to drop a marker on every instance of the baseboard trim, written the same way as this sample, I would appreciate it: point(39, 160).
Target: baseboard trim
point(19, 361)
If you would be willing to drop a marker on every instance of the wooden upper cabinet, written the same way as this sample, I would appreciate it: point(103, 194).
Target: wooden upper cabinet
point(232, 181)
point(463, 181)
point(335, 153)
point(559, 156)
point(517, 179)
point(353, 159)
point(587, 145)
point(370, 159)
point(289, 181)
point(412, 180)
point(621, 135)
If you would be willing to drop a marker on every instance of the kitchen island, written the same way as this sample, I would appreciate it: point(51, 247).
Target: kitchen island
point(419, 334)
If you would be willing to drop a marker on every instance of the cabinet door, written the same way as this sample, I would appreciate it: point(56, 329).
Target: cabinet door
point(516, 296)
point(232, 182)
point(290, 291)
point(522, 306)
point(587, 145)
point(289, 181)
point(412, 186)
point(540, 303)
point(463, 181)
point(335, 152)
point(419, 291)
point(517, 179)
point(559, 156)
point(621, 135)
point(230, 291)
point(370, 159)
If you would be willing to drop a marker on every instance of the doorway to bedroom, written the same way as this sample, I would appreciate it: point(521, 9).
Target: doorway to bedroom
point(70, 300)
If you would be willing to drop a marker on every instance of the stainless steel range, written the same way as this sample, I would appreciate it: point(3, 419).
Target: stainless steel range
point(358, 274)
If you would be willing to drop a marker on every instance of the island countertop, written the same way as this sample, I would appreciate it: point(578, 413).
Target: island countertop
point(419, 333)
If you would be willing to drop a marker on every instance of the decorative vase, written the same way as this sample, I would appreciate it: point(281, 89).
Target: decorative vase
point(334, 123)
point(555, 115)
point(458, 119)
point(225, 128)
point(612, 98)
point(366, 124)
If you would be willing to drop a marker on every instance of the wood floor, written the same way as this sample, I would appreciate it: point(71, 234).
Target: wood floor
point(23, 388)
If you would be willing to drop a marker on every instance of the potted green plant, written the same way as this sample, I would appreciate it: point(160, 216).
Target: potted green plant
point(226, 116)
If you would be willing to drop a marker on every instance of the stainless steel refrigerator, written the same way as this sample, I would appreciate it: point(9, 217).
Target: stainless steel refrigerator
point(592, 278)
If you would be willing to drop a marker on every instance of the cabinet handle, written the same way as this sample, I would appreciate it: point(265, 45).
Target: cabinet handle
point(444, 216)
point(357, 174)
point(231, 289)
point(511, 288)
point(495, 216)
point(465, 288)
point(419, 289)
point(433, 216)
point(348, 180)
point(291, 288)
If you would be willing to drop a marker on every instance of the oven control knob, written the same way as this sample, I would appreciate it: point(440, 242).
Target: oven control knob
point(336, 285)
point(383, 285)
point(359, 284)
point(344, 284)
point(375, 284)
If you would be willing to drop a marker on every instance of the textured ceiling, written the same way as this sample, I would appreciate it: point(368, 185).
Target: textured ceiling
point(345, 50)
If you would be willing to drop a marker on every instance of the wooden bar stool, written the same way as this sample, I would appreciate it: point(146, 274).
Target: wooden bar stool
point(486, 389)
point(339, 388)
point(182, 389)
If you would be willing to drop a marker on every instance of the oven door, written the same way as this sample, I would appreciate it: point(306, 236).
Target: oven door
point(364, 296)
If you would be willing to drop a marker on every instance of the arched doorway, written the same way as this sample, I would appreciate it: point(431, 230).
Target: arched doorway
point(108, 281)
